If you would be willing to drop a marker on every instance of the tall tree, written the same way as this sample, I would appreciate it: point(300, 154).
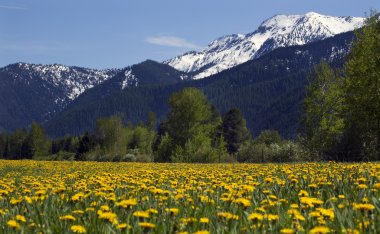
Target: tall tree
point(38, 141)
point(234, 130)
point(323, 122)
point(189, 127)
point(110, 133)
point(362, 84)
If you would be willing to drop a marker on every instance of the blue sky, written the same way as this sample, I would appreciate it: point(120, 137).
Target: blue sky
point(118, 33)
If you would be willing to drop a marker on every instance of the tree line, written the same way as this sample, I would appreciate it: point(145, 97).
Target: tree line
point(194, 131)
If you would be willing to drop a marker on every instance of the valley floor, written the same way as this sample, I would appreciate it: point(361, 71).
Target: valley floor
point(79, 197)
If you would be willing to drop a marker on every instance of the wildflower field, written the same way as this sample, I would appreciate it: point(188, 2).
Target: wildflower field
point(89, 197)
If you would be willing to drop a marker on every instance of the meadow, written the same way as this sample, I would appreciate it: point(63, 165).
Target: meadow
point(90, 197)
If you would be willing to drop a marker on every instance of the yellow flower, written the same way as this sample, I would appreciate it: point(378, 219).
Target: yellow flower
point(152, 211)
point(203, 220)
point(124, 226)
point(202, 232)
point(78, 229)
point(127, 203)
point(147, 225)
point(272, 217)
point(303, 193)
point(28, 199)
point(256, 217)
point(243, 201)
point(141, 214)
point(227, 215)
point(287, 231)
point(13, 224)
point(319, 230)
point(268, 180)
point(364, 207)
point(21, 218)
point(67, 217)
point(77, 197)
point(78, 212)
point(111, 217)
point(105, 208)
point(15, 201)
point(173, 211)
point(361, 180)
point(188, 220)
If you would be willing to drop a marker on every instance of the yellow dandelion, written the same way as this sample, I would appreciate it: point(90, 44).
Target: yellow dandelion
point(203, 220)
point(319, 230)
point(21, 218)
point(13, 224)
point(141, 214)
point(67, 217)
point(78, 229)
point(124, 226)
point(202, 232)
point(287, 231)
point(364, 207)
point(127, 203)
point(255, 217)
point(78, 212)
point(173, 211)
point(147, 225)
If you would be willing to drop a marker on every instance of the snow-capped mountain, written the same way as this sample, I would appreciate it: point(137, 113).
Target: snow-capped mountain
point(73, 81)
point(278, 31)
point(31, 92)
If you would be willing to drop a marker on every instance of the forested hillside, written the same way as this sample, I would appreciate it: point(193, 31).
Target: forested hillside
point(267, 90)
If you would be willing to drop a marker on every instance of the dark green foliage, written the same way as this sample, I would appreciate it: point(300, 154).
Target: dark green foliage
point(269, 137)
point(362, 87)
point(323, 121)
point(87, 142)
point(25, 144)
point(342, 115)
point(188, 129)
point(269, 146)
point(234, 130)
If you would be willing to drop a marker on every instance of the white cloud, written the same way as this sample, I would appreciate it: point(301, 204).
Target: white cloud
point(171, 41)
point(12, 7)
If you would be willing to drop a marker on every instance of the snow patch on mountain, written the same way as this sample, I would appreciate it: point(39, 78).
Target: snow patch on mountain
point(129, 80)
point(73, 81)
point(275, 32)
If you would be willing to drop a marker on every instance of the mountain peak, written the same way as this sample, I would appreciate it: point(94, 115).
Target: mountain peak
point(277, 31)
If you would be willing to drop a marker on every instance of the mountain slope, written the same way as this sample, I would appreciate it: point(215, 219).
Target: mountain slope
point(278, 31)
point(267, 90)
point(31, 92)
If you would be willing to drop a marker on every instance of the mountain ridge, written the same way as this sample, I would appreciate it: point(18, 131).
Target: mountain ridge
point(277, 31)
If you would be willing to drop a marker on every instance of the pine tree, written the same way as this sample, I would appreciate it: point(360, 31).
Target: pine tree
point(234, 130)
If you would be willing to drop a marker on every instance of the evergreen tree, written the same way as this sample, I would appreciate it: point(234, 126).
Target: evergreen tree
point(86, 143)
point(234, 130)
